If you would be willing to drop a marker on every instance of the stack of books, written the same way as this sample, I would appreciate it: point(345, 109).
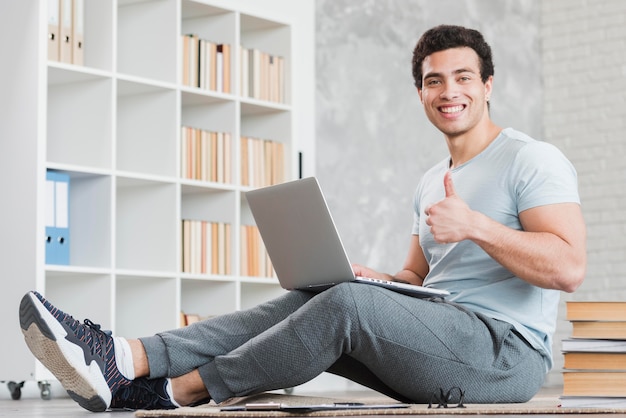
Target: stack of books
point(594, 370)
point(206, 64)
point(262, 75)
point(206, 247)
point(255, 261)
point(206, 155)
point(262, 162)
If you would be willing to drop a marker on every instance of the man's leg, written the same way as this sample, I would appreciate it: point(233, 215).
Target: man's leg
point(191, 347)
point(411, 346)
point(415, 347)
point(179, 351)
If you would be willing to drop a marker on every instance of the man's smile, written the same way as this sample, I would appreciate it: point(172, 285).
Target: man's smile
point(451, 109)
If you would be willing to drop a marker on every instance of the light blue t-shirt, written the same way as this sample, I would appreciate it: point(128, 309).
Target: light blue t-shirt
point(514, 173)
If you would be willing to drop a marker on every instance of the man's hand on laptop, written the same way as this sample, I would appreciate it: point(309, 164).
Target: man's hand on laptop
point(362, 271)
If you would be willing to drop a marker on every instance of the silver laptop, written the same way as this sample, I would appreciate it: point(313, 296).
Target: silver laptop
point(303, 243)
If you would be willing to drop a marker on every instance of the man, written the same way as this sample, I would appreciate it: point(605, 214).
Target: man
point(497, 223)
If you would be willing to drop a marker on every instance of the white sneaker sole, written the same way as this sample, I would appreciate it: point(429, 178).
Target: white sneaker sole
point(45, 336)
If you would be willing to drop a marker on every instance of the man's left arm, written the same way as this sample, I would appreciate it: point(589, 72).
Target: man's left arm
point(550, 251)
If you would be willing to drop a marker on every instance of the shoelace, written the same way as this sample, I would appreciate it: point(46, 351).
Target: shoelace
point(91, 333)
point(85, 333)
point(88, 332)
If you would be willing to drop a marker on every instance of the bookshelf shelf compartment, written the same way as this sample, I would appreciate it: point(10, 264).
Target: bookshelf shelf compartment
point(90, 220)
point(147, 39)
point(211, 115)
point(146, 131)
point(208, 22)
point(79, 119)
point(144, 305)
point(98, 36)
point(272, 38)
point(208, 204)
point(269, 125)
point(254, 293)
point(146, 228)
point(207, 297)
point(85, 295)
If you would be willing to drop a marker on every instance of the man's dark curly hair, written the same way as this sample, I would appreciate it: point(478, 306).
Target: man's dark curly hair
point(444, 37)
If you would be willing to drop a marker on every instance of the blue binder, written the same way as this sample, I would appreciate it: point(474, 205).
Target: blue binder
point(57, 218)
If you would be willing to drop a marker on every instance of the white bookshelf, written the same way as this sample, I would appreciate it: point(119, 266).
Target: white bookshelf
point(114, 125)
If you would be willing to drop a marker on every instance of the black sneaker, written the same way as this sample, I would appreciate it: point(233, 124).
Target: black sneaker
point(143, 393)
point(81, 356)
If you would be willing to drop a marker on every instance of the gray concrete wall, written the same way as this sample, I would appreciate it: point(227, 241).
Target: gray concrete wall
point(373, 139)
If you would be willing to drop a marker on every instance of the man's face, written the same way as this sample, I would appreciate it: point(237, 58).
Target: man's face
point(453, 94)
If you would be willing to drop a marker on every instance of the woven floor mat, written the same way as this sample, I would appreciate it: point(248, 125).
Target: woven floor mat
point(538, 405)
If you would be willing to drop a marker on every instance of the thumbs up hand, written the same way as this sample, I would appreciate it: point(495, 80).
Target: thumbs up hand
point(448, 184)
point(450, 218)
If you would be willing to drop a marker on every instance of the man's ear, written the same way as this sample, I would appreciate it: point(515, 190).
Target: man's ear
point(488, 87)
point(419, 93)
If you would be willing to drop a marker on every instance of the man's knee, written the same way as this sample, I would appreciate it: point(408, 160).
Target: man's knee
point(342, 294)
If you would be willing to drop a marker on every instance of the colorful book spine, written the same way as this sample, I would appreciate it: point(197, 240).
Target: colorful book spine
point(262, 75)
point(206, 64)
point(262, 162)
point(206, 247)
point(206, 155)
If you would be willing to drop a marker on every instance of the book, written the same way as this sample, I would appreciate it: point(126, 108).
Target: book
point(593, 345)
point(596, 311)
point(594, 383)
point(206, 247)
point(612, 330)
point(262, 162)
point(592, 402)
point(185, 41)
point(206, 155)
point(262, 75)
point(594, 368)
point(594, 361)
point(255, 261)
point(227, 69)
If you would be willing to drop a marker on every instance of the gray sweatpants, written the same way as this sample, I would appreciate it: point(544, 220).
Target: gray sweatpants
point(404, 347)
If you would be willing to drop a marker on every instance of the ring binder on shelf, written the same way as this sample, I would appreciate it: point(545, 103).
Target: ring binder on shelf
point(53, 30)
point(57, 218)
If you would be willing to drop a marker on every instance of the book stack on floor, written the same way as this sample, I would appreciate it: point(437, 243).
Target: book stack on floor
point(594, 370)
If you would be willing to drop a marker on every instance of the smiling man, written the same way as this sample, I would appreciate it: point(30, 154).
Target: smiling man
point(497, 223)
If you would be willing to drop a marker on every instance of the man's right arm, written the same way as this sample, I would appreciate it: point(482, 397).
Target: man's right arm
point(414, 270)
point(415, 266)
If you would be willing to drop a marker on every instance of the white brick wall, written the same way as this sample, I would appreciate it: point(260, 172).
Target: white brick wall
point(584, 67)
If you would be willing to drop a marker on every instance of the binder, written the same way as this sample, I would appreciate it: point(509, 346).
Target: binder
point(78, 28)
point(65, 41)
point(298, 409)
point(57, 218)
point(53, 30)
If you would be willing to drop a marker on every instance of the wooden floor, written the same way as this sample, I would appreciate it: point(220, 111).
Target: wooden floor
point(32, 405)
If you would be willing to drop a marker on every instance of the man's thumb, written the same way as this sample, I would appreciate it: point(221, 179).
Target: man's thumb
point(448, 184)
